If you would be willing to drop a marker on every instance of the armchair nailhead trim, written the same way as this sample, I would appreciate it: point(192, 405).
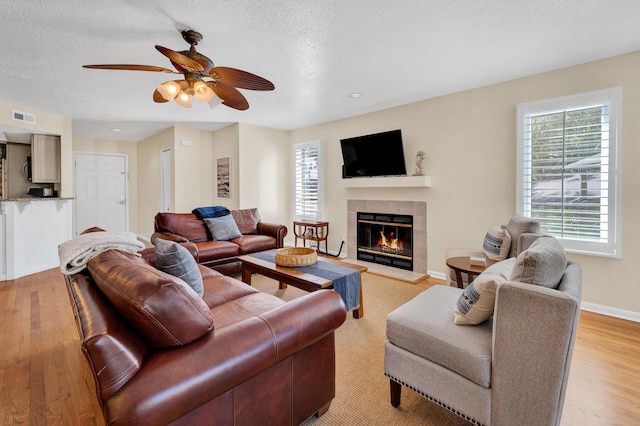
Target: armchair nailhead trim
point(464, 416)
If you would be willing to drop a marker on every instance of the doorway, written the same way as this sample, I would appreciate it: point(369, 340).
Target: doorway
point(100, 188)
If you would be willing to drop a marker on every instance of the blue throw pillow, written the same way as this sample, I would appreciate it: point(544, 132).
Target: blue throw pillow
point(176, 260)
point(223, 228)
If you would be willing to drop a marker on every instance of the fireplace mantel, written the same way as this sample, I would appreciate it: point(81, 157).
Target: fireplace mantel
point(388, 182)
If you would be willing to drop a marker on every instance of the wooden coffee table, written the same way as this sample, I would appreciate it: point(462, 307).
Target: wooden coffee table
point(462, 265)
point(295, 277)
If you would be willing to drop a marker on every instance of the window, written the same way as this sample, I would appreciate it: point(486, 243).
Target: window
point(568, 169)
point(308, 184)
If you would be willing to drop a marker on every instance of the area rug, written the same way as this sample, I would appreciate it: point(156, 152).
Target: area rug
point(362, 390)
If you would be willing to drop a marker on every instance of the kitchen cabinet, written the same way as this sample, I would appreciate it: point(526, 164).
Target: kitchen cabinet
point(45, 152)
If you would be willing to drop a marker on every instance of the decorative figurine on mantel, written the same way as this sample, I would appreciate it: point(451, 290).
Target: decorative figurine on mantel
point(419, 159)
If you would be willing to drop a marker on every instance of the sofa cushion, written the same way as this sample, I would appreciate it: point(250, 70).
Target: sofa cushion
point(518, 225)
point(223, 289)
point(176, 260)
point(162, 308)
point(424, 326)
point(208, 250)
point(222, 228)
point(254, 243)
point(543, 263)
point(475, 304)
point(247, 220)
point(186, 225)
point(497, 243)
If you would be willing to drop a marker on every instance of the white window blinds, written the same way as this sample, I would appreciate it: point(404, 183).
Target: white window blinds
point(308, 186)
point(568, 171)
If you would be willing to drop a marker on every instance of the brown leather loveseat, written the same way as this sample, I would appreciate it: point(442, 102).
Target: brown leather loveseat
point(220, 255)
point(161, 354)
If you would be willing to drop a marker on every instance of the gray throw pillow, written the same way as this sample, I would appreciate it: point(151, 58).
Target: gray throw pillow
point(176, 260)
point(543, 263)
point(223, 228)
point(518, 225)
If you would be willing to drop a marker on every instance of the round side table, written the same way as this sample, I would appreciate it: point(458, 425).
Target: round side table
point(462, 265)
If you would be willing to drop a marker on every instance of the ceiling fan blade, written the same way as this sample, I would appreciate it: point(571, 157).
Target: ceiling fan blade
point(180, 60)
point(230, 96)
point(130, 67)
point(241, 79)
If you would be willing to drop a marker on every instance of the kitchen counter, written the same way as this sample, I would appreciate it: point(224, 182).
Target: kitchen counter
point(31, 228)
point(30, 198)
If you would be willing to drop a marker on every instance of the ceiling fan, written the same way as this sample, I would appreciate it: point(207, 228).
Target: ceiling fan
point(202, 80)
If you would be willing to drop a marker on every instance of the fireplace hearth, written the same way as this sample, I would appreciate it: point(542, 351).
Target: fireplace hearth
point(386, 239)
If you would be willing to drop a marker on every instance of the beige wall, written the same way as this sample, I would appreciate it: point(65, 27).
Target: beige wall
point(101, 146)
point(470, 142)
point(264, 169)
point(149, 174)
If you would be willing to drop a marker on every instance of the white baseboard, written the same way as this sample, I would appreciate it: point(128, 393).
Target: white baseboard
point(438, 275)
point(611, 312)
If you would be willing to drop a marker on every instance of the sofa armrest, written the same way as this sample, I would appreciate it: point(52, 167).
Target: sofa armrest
point(534, 332)
point(167, 236)
point(223, 359)
point(273, 230)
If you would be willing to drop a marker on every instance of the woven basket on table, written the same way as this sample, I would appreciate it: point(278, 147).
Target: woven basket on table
point(296, 256)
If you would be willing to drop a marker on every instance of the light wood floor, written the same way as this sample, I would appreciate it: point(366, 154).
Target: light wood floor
point(44, 378)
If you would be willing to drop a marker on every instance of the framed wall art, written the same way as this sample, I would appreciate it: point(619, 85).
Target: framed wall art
point(223, 177)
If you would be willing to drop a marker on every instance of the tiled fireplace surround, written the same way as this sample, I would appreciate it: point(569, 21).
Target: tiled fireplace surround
point(417, 209)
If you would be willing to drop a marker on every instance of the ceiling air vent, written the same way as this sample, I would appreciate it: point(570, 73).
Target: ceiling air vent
point(25, 117)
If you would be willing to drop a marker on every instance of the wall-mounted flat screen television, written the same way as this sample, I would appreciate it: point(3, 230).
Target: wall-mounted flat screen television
point(380, 154)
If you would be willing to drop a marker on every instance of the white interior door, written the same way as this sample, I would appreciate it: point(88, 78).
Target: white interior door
point(101, 197)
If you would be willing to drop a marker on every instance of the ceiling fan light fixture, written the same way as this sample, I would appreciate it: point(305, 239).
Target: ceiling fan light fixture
point(169, 90)
point(202, 92)
point(184, 100)
point(214, 101)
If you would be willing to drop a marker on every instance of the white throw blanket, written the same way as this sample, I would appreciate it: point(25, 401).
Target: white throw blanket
point(77, 252)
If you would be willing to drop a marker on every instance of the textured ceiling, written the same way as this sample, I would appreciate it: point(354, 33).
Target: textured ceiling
point(315, 52)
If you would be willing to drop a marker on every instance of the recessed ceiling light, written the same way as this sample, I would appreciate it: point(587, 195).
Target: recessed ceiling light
point(355, 95)
point(116, 130)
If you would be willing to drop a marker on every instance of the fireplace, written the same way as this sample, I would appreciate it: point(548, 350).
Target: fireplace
point(386, 239)
point(416, 209)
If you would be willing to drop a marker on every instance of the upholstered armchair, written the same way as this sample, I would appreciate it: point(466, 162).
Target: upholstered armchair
point(521, 230)
point(509, 369)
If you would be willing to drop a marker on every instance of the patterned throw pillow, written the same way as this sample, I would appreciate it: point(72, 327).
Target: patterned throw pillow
point(475, 304)
point(223, 228)
point(497, 243)
point(176, 260)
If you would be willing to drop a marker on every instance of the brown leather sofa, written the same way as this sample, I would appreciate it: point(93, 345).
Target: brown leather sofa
point(221, 255)
point(160, 354)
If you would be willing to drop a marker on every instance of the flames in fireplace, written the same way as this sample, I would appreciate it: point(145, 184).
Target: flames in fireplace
point(385, 239)
point(390, 244)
